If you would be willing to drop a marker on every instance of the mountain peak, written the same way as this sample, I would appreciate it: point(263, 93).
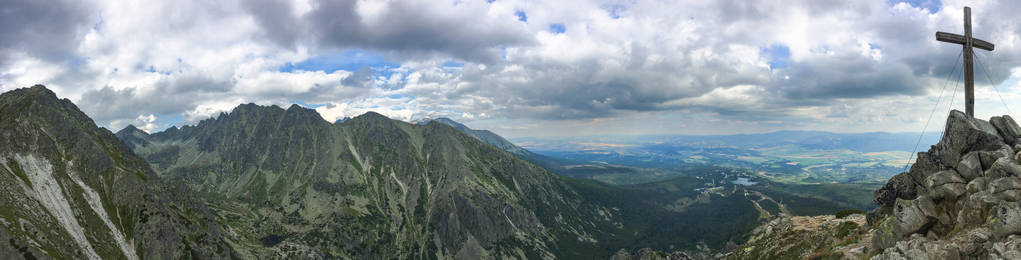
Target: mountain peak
point(40, 101)
point(371, 115)
point(34, 92)
point(131, 129)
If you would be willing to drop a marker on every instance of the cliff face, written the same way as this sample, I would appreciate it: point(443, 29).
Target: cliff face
point(961, 199)
point(72, 190)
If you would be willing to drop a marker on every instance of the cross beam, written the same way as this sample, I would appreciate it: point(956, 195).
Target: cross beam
point(969, 70)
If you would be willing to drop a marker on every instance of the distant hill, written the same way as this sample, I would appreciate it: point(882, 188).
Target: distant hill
point(483, 135)
point(557, 165)
point(858, 142)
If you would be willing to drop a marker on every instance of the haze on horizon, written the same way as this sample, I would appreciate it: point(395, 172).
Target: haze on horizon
point(518, 68)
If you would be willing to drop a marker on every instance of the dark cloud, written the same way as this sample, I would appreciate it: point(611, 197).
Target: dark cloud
point(167, 96)
point(276, 18)
point(49, 30)
point(360, 78)
point(405, 29)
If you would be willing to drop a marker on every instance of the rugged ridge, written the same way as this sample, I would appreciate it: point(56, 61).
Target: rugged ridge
point(485, 136)
point(287, 183)
point(69, 189)
point(298, 186)
point(961, 199)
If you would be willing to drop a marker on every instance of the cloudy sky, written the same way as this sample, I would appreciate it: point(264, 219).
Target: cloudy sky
point(519, 68)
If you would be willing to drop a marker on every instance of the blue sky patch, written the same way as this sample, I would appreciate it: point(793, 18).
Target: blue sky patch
point(306, 105)
point(777, 56)
point(932, 5)
point(557, 28)
point(614, 10)
point(350, 60)
point(400, 96)
point(522, 16)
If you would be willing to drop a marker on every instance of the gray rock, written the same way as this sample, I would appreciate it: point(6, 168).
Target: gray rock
point(909, 217)
point(971, 243)
point(925, 164)
point(973, 210)
point(900, 186)
point(1007, 188)
point(989, 158)
point(970, 166)
point(1004, 167)
point(1005, 219)
point(964, 134)
point(1010, 249)
point(1006, 127)
point(919, 247)
point(945, 185)
point(621, 254)
point(977, 185)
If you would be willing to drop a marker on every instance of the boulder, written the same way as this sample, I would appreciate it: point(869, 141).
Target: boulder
point(1010, 249)
point(964, 134)
point(1004, 167)
point(900, 186)
point(924, 165)
point(971, 243)
point(1007, 188)
point(1005, 219)
point(1007, 128)
point(946, 185)
point(978, 184)
point(909, 217)
point(970, 166)
point(973, 209)
point(988, 158)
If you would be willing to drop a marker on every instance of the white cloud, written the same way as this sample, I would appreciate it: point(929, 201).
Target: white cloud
point(146, 123)
point(655, 60)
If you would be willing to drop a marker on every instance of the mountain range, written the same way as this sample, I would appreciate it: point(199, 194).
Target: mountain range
point(286, 183)
point(268, 182)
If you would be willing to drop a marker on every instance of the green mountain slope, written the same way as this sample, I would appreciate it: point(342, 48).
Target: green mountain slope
point(72, 190)
point(290, 184)
point(557, 165)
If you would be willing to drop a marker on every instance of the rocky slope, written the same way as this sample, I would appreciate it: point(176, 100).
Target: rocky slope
point(72, 190)
point(804, 237)
point(960, 200)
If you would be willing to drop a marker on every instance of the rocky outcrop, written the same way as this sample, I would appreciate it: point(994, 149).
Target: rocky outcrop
point(960, 199)
point(649, 254)
point(72, 190)
point(802, 237)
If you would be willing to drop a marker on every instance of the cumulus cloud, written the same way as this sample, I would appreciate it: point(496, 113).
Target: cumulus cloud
point(747, 66)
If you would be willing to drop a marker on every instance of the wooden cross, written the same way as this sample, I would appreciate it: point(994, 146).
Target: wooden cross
point(969, 70)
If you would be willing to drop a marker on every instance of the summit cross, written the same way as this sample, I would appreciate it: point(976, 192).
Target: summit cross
point(969, 71)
